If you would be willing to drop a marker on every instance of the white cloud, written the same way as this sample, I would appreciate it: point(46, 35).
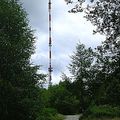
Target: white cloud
point(67, 28)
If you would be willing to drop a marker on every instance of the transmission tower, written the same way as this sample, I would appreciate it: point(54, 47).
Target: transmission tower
point(50, 43)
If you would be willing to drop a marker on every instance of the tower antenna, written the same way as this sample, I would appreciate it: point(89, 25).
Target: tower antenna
point(50, 43)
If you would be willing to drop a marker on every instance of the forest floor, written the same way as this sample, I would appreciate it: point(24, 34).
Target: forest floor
point(72, 117)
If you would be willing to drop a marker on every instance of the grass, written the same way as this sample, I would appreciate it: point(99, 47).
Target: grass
point(50, 114)
point(102, 112)
point(101, 119)
point(60, 117)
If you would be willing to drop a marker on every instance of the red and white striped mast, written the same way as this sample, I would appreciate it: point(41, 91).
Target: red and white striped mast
point(50, 44)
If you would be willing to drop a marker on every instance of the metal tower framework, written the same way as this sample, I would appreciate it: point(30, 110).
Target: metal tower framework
point(50, 44)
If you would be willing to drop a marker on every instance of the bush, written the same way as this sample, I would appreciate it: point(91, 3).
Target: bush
point(103, 111)
point(49, 114)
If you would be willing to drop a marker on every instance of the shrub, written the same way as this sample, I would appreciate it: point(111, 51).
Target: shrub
point(103, 111)
point(49, 114)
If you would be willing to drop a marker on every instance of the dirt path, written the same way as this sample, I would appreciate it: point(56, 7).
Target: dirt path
point(72, 117)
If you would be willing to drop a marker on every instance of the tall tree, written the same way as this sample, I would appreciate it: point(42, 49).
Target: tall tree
point(19, 94)
point(105, 15)
point(80, 66)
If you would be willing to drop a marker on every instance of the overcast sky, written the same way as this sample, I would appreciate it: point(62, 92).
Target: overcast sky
point(67, 30)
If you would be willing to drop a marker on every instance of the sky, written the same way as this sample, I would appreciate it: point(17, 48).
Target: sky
point(67, 30)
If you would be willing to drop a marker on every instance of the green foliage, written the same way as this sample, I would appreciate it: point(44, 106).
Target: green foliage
point(113, 92)
point(105, 15)
point(104, 118)
point(101, 82)
point(80, 67)
point(63, 100)
point(49, 114)
point(20, 97)
point(103, 111)
point(102, 13)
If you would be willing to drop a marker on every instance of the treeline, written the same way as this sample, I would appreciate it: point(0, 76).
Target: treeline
point(95, 85)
